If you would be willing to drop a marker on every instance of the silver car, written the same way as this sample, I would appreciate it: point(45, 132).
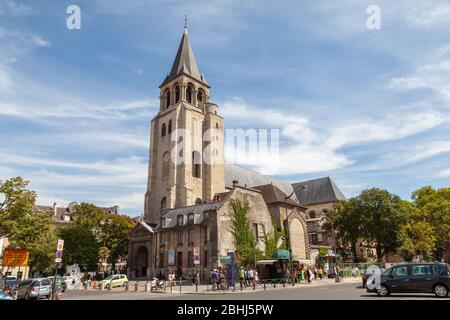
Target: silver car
point(33, 289)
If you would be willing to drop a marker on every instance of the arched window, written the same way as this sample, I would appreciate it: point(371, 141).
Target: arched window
point(196, 164)
point(312, 214)
point(163, 204)
point(163, 130)
point(177, 93)
point(165, 167)
point(189, 93)
point(200, 95)
point(167, 97)
point(198, 201)
point(169, 128)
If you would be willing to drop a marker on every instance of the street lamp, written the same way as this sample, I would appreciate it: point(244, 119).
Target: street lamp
point(288, 236)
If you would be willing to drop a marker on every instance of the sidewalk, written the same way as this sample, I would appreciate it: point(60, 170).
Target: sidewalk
point(188, 288)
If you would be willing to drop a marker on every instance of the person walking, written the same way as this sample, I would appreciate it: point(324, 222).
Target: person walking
point(241, 276)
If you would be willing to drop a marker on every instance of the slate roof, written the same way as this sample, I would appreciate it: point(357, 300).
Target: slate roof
point(252, 178)
point(60, 212)
point(316, 191)
point(272, 194)
point(171, 214)
point(185, 62)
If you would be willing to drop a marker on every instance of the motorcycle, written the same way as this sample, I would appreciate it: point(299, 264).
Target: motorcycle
point(157, 284)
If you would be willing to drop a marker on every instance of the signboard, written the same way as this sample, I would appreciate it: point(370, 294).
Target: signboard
point(15, 257)
point(225, 259)
point(59, 251)
point(196, 255)
point(171, 257)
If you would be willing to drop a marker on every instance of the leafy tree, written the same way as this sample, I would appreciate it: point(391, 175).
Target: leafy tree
point(271, 241)
point(383, 215)
point(347, 220)
point(16, 205)
point(418, 239)
point(90, 216)
point(80, 247)
point(25, 228)
point(114, 236)
point(243, 236)
point(434, 207)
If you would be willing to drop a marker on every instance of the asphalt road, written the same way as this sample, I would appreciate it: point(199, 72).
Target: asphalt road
point(344, 291)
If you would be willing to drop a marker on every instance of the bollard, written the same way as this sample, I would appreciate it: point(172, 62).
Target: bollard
point(274, 284)
point(102, 285)
point(254, 285)
point(180, 284)
point(284, 284)
point(147, 286)
point(127, 287)
point(136, 286)
point(109, 286)
point(264, 285)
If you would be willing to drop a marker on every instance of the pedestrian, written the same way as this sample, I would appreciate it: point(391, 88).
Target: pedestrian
point(241, 276)
point(308, 275)
point(320, 273)
point(214, 279)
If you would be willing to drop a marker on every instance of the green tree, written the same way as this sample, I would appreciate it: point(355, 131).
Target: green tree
point(383, 215)
point(434, 208)
point(80, 247)
point(114, 236)
point(347, 220)
point(271, 241)
point(16, 206)
point(244, 241)
point(90, 216)
point(25, 228)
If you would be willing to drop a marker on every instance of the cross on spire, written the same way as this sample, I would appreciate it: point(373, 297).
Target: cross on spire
point(185, 22)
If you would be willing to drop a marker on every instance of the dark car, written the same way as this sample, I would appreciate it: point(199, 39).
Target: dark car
point(413, 278)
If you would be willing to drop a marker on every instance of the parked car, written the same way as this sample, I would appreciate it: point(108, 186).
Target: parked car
point(33, 289)
point(60, 283)
point(116, 280)
point(413, 278)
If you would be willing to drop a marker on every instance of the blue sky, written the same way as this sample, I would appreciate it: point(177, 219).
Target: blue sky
point(370, 108)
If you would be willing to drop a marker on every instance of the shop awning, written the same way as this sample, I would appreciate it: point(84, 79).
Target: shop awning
point(266, 261)
point(281, 254)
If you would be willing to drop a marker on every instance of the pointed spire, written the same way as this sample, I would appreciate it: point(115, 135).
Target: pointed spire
point(185, 62)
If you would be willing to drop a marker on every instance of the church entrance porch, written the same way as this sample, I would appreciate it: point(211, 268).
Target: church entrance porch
point(141, 267)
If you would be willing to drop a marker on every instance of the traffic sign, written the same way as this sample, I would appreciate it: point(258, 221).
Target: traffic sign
point(196, 255)
point(59, 251)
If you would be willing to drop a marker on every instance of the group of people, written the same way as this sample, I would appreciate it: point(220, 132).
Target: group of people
point(308, 273)
point(247, 276)
point(217, 277)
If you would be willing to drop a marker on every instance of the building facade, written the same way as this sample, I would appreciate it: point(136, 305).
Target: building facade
point(189, 190)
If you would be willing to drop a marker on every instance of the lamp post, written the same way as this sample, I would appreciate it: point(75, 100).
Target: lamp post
point(288, 236)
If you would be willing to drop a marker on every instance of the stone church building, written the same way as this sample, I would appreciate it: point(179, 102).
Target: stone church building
point(187, 214)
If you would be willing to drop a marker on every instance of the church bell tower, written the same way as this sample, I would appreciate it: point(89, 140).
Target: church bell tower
point(186, 158)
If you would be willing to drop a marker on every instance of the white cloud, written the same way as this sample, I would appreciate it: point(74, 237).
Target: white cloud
point(444, 173)
point(10, 7)
point(306, 148)
point(39, 41)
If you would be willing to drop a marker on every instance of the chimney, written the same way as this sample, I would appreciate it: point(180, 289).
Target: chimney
point(235, 183)
point(54, 208)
